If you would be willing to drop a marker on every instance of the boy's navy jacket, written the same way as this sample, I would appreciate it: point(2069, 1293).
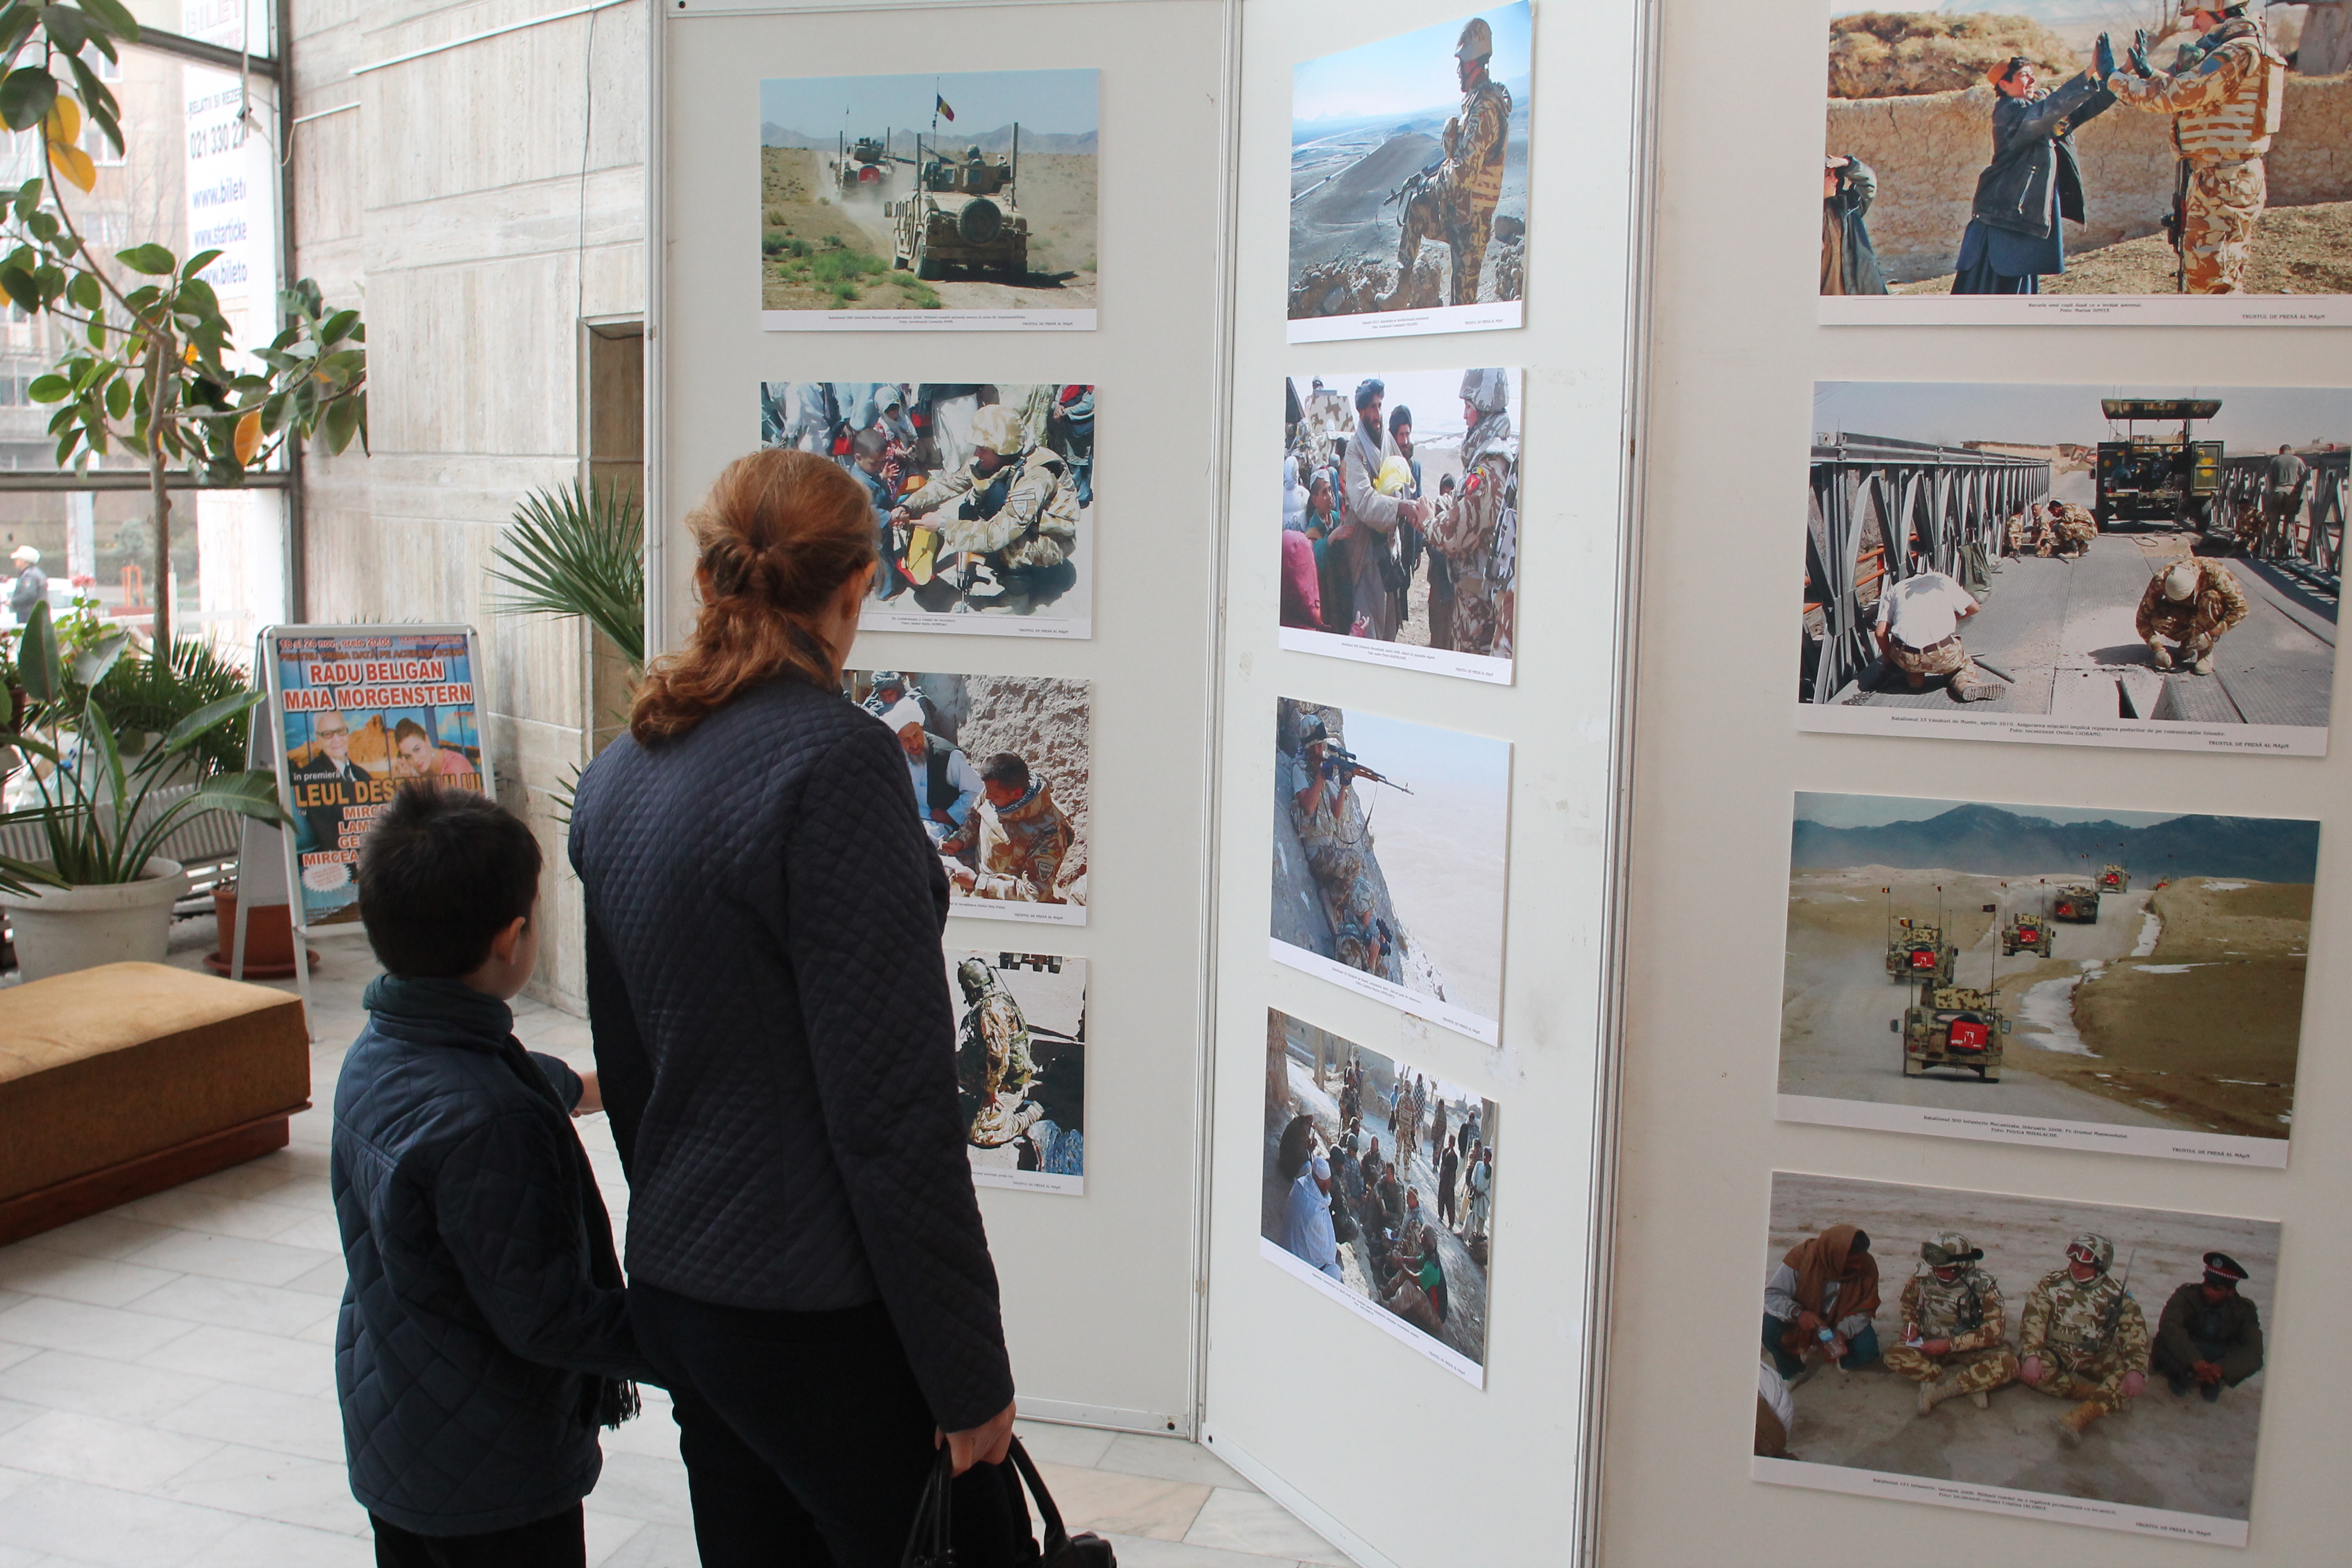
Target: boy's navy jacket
point(472, 1311)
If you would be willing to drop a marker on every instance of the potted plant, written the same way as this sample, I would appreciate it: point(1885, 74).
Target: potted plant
point(105, 894)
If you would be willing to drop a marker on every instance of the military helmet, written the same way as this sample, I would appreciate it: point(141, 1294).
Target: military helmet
point(1000, 430)
point(1948, 1248)
point(1477, 40)
point(974, 976)
point(1487, 391)
point(2100, 1252)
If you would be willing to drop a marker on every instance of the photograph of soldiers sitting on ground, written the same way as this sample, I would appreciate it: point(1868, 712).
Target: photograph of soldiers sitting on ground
point(2050, 149)
point(1000, 769)
point(1389, 846)
point(983, 497)
point(2124, 981)
point(1379, 1186)
point(1401, 519)
point(2089, 565)
point(1409, 182)
point(965, 200)
point(1021, 1064)
point(2083, 1362)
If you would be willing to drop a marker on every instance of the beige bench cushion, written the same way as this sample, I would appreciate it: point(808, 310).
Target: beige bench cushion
point(105, 1065)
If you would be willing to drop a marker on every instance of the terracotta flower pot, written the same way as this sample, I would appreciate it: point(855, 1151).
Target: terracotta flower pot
point(268, 939)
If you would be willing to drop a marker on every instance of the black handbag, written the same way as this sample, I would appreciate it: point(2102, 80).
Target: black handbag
point(930, 1543)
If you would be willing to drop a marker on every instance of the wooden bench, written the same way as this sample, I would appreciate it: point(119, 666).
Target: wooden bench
point(124, 1079)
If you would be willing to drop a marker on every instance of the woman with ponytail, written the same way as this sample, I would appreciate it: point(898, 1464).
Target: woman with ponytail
point(775, 1044)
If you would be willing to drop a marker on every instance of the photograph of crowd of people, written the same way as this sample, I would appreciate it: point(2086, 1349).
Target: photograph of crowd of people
point(1021, 1064)
point(360, 716)
point(2123, 981)
point(2131, 566)
point(1380, 1189)
point(1401, 519)
point(1409, 182)
point(1975, 159)
point(2079, 1362)
point(926, 202)
point(1390, 842)
point(983, 497)
point(1002, 769)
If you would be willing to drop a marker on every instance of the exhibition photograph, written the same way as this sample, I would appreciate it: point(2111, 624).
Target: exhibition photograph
point(586, 586)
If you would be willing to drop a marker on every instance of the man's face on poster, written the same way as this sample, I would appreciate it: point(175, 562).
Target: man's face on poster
point(910, 741)
point(1000, 791)
point(334, 735)
point(1369, 415)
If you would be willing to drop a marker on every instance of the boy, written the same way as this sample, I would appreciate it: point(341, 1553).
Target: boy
point(485, 1332)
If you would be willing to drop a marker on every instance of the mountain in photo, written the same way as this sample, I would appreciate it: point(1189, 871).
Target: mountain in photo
point(902, 138)
point(1985, 840)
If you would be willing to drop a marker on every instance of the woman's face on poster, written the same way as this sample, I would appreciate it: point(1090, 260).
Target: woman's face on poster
point(417, 752)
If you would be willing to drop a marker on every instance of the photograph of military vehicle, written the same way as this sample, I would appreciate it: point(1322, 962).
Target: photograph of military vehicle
point(2178, 1005)
point(2077, 902)
point(2115, 878)
point(2158, 476)
point(962, 212)
point(863, 165)
point(1952, 1026)
point(1919, 952)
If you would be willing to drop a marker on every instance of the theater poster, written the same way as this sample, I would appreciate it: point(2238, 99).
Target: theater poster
point(357, 712)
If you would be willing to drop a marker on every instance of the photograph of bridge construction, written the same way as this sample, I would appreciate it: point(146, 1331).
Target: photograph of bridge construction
point(1390, 841)
point(921, 201)
point(1409, 182)
point(2090, 565)
point(2035, 1369)
point(2125, 981)
point(2202, 182)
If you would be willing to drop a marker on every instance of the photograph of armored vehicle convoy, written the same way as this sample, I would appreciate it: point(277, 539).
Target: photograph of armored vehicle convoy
point(2025, 933)
point(2077, 902)
point(1919, 952)
point(2115, 878)
point(1952, 1026)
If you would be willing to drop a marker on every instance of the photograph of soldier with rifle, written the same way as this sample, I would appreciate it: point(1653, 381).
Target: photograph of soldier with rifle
point(1409, 182)
point(2182, 148)
point(1021, 1068)
point(2038, 1351)
point(1389, 848)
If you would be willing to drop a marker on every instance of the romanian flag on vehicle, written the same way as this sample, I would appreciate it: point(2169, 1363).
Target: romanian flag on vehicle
point(940, 106)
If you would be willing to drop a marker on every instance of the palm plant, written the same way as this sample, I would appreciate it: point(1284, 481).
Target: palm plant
point(91, 805)
point(579, 550)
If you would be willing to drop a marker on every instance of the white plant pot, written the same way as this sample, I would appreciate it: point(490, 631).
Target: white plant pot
point(60, 930)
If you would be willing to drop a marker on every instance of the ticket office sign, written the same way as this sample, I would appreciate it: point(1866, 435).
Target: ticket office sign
point(356, 713)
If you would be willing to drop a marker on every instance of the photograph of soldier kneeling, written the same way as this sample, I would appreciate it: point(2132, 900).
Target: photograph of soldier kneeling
point(2032, 1309)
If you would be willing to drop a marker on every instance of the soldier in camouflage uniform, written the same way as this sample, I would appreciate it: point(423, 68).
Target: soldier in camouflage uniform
point(1952, 1323)
point(1023, 837)
point(993, 1064)
point(2084, 1338)
point(1331, 829)
point(2021, 529)
point(2076, 527)
point(2190, 604)
point(1015, 509)
point(2225, 105)
point(1457, 205)
point(1476, 529)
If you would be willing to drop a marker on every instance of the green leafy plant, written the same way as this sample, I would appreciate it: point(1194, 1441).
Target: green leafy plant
point(151, 364)
point(148, 696)
point(575, 551)
point(90, 802)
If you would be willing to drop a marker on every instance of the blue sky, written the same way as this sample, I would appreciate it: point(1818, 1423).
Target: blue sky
point(1413, 70)
point(1062, 101)
point(2253, 418)
point(1877, 810)
point(1412, 753)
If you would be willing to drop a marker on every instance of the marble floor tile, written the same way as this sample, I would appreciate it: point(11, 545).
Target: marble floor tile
point(637, 1486)
point(268, 1544)
point(93, 1386)
point(91, 1331)
point(327, 1280)
point(234, 1304)
point(264, 1485)
point(17, 1557)
point(254, 1179)
point(608, 1532)
point(231, 1256)
point(221, 1214)
point(319, 1231)
point(1252, 1521)
point(98, 1281)
point(308, 1426)
point(111, 1529)
point(101, 1236)
point(1171, 1458)
point(1131, 1505)
point(655, 1546)
point(1049, 1444)
point(14, 1414)
point(73, 1447)
point(1142, 1551)
point(259, 1360)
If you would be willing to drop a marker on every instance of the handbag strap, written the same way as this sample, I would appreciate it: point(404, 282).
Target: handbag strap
point(933, 1519)
point(1057, 1537)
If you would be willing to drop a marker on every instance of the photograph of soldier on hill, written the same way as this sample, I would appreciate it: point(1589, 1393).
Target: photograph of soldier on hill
point(1401, 519)
point(1409, 182)
point(2051, 147)
point(1389, 849)
point(2124, 981)
point(2105, 565)
point(2037, 1351)
point(1021, 1067)
point(983, 496)
point(1001, 773)
point(1379, 1189)
point(896, 203)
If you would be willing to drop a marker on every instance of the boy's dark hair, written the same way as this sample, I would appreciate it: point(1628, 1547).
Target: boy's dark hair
point(441, 873)
point(1004, 768)
point(868, 443)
